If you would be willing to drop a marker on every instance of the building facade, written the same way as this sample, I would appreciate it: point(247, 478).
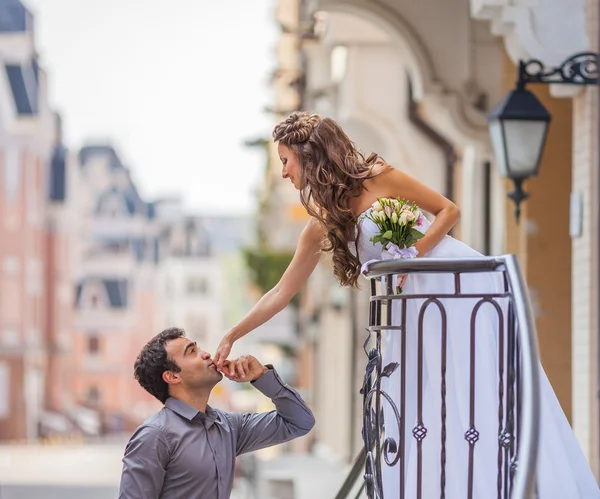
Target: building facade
point(191, 277)
point(116, 305)
point(30, 148)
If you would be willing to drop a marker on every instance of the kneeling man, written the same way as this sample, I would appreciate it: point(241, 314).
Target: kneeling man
point(188, 449)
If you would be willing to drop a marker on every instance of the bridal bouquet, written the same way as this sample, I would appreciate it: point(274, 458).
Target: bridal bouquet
point(396, 220)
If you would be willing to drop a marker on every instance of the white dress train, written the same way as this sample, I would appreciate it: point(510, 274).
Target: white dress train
point(562, 470)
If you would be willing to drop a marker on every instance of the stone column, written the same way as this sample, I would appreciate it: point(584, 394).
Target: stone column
point(584, 260)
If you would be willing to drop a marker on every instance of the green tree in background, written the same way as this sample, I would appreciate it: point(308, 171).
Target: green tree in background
point(266, 267)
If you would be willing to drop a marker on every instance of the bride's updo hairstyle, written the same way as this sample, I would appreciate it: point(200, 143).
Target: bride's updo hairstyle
point(333, 171)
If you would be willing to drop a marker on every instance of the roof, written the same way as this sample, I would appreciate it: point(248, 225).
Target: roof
point(23, 80)
point(88, 152)
point(187, 238)
point(116, 290)
point(14, 17)
point(129, 199)
point(130, 196)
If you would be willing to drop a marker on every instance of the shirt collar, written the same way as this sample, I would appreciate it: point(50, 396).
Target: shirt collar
point(188, 412)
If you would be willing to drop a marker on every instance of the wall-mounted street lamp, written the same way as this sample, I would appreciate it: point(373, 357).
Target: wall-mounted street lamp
point(519, 124)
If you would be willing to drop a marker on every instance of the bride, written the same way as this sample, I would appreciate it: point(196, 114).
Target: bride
point(338, 186)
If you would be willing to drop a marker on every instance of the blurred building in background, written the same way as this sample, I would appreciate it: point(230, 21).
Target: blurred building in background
point(32, 222)
point(191, 276)
point(60, 266)
point(192, 283)
point(117, 305)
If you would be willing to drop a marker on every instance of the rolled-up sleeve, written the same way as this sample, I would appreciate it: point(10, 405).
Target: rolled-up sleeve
point(144, 464)
point(291, 418)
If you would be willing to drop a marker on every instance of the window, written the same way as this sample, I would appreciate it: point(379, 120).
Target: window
point(33, 192)
point(11, 265)
point(34, 276)
point(93, 294)
point(12, 175)
point(21, 85)
point(197, 327)
point(113, 206)
point(197, 286)
point(10, 337)
point(93, 395)
point(4, 390)
point(198, 246)
point(93, 345)
point(339, 63)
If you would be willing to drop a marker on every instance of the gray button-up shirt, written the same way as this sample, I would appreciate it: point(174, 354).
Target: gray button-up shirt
point(181, 453)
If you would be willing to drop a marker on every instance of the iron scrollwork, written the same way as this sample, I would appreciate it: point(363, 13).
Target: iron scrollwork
point(579, 69)
point(373, 421)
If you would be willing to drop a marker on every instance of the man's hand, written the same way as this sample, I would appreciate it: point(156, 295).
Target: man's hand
point(244, 368)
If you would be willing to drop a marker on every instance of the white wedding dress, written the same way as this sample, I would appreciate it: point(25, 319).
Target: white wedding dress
point(562, 470)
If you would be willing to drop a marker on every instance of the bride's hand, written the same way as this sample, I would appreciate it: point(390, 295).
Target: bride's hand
point(401, 279)
point(222, 353)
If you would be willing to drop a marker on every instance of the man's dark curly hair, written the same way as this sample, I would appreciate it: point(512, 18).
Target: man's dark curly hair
point(153, 361)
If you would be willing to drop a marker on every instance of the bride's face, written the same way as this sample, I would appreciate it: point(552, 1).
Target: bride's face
point(291, 166)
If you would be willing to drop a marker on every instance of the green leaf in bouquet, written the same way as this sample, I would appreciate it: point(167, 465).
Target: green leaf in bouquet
point(387, 235)
point(376, 239)
point(416, 234)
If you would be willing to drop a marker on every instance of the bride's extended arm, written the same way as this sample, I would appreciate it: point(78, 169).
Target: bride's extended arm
point(274, 301)
point(396, 183)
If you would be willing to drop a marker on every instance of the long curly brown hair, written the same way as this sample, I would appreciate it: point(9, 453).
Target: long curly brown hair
point(333, 172)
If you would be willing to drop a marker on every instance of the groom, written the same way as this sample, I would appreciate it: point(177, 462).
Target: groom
point(188, 449)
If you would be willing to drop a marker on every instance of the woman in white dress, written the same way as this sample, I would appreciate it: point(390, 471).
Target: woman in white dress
point(337, 185)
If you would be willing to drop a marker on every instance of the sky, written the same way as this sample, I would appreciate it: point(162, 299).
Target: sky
point(176, 87)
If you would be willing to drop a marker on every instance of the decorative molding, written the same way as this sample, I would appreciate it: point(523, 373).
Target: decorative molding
point(419, 61)
point(428, 87)
point(547, 31)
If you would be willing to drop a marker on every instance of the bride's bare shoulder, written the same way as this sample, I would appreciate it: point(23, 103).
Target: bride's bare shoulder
point(380, 173)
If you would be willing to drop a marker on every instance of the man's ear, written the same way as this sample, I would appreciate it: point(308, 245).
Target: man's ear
point(171, 378)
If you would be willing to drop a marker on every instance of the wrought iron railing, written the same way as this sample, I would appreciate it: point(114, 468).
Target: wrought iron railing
point(387, 429)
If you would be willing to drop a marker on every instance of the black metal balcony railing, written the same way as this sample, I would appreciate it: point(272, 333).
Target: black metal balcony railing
point(517, 382)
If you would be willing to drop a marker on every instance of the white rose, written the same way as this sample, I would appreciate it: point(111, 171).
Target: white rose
point(394, 218)
point(377, 206)
point(403, 217)
point(410, 216)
